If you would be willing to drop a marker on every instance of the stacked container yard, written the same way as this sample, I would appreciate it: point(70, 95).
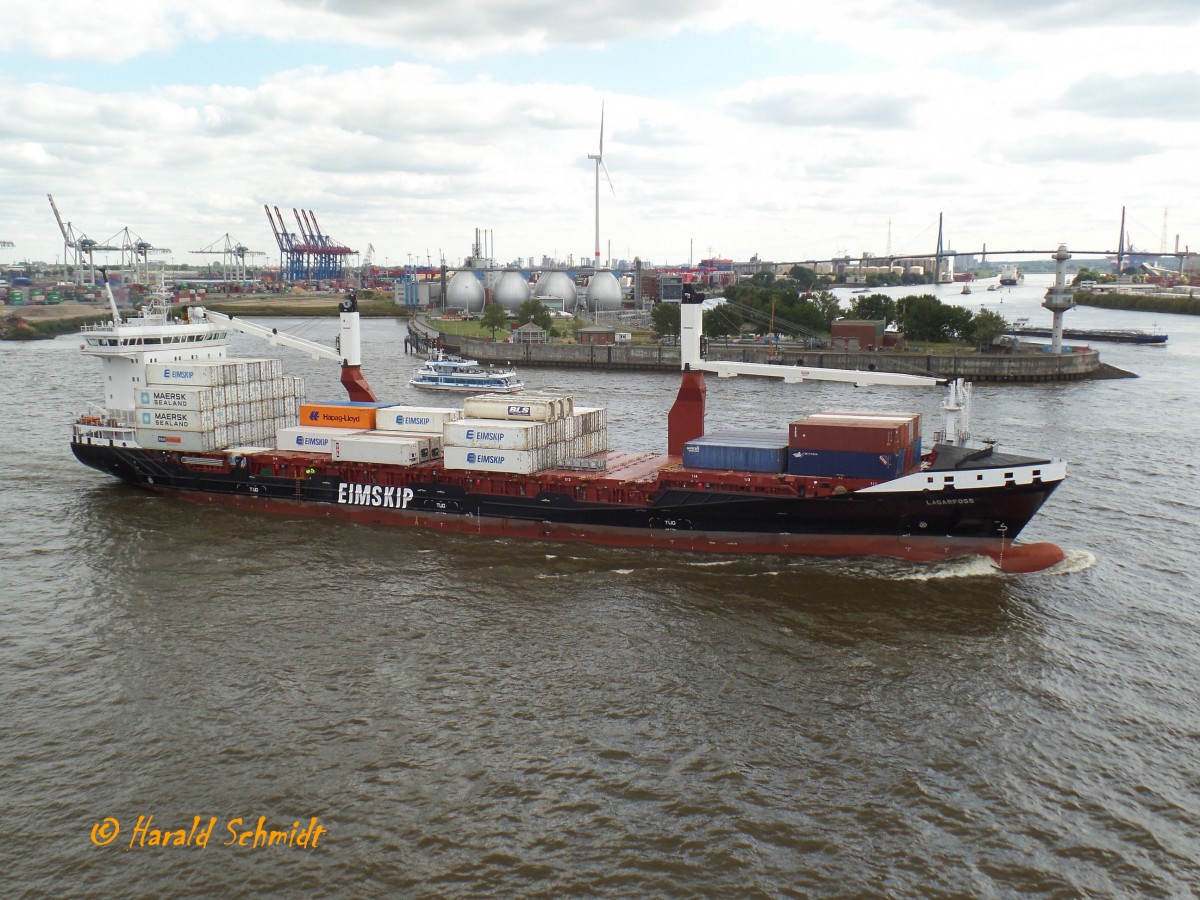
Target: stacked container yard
point(205, 405)
point(854, 445)
point(524, 435)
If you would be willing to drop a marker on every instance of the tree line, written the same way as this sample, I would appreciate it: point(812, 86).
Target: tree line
point(791, 306)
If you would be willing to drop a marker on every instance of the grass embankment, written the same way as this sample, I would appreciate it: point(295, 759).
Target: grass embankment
point(1164, 303)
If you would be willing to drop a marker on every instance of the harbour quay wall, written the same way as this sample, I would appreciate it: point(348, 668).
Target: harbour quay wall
point(996, 368)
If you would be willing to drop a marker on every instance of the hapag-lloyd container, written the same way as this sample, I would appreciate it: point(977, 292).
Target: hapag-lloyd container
point(376, 448)
point(517, 462)
point(428, 419)
point(329, 415)
point(309, 438)
point(526, 408)
point(498, 434)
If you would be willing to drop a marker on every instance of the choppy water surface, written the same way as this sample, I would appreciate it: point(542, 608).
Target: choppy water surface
point(472, 717)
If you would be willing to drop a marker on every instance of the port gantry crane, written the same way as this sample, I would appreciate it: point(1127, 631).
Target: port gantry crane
point(233, 255)
point(76, 247)
point(308, 254)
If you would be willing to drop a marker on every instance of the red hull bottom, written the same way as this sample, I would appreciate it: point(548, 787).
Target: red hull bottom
point(1009, 557)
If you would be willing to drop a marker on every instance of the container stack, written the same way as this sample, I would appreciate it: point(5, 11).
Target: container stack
point(370, 432)
point(854, 445)
point(205, 405)
point(523, 435)
point(746, 450)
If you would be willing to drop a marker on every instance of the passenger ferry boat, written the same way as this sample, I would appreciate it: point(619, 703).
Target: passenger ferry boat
point(453, 373)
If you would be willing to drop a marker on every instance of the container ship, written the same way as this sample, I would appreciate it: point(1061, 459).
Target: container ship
point(182, 418)
point(1011, 276)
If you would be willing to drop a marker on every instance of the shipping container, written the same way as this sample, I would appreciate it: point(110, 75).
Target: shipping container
point(518, 462)
point(497, 434)
point(522, 409)
point(845, 463)
point(843, 433)
point(432, 441)
point(733, 452)
point(309, 438)
point(212, 372)
point(912, 419)
point(181, 397)
point(387, 449)
point(593, 418)
point(180, 419)
point(187, 441)
point(429, 419)
point(329, 415)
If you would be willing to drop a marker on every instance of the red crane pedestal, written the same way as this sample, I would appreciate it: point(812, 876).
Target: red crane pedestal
point(685, 421)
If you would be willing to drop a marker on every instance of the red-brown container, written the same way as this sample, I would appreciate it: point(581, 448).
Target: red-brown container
point(913, 419)
point(848, 434)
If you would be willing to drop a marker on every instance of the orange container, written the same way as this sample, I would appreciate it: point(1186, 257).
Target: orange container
point(331, 415)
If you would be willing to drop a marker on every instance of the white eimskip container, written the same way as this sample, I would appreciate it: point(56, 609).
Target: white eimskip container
point(516, 462)
point(428, 419)
point(376, 448)
point(213, 372)
point(310, 438)
point(498, 434)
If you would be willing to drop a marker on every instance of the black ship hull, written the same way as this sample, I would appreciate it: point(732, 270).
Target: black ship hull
point(911, 524)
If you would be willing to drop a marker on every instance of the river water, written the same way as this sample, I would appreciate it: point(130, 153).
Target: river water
point(468, 717)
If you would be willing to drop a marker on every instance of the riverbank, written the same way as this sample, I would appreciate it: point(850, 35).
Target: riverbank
point(1014, 367)
point(1179, 304)
point(25, 323)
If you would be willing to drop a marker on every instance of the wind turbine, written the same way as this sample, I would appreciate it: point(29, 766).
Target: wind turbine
point(599, 158)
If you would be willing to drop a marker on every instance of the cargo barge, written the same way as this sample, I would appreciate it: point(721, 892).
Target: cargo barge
point(181, 418)
point(1118, 336)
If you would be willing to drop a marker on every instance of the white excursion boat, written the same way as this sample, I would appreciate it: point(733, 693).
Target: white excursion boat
point(453, 373)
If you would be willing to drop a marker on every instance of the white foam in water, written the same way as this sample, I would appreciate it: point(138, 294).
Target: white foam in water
point(622, 571)
point(718, 562)
point(1074, 561)
point(965, 567)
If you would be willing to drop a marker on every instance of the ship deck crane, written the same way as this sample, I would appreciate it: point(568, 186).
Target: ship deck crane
point(685, 421)
point(348, 351)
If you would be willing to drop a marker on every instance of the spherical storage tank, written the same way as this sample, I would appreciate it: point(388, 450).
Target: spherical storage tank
point(603, 291)
point(557, 284)
point(465, 291)
point(511, 290)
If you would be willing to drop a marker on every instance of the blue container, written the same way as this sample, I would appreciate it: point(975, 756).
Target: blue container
point(846, 463)
point(747, 451)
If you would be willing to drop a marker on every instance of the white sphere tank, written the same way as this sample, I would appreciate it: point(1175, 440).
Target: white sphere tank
point(604, 292)
point(465, 291)
point(557, 284)
point(511, 290)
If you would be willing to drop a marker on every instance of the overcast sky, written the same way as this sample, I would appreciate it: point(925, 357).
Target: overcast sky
point(790, 130)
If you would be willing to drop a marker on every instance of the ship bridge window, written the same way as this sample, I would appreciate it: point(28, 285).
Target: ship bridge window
point(948, 479)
